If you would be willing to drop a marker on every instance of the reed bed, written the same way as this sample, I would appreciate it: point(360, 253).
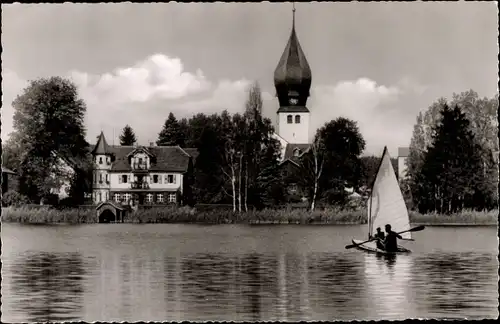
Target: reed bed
point(48, 215)
point(267, 216)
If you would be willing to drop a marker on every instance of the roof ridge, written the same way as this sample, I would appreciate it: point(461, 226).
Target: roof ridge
point(189, 155)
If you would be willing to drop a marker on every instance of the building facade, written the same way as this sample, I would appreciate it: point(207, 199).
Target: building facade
point(9, 180)
point(403, 153)
point(140, 175)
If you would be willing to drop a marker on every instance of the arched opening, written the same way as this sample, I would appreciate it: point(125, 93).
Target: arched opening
point(297, 119)
point(289, 119)
point(107, 216)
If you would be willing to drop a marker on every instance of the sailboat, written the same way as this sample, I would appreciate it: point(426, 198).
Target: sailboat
point(386, 206)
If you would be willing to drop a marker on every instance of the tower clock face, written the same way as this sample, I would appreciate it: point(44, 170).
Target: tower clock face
point(293, 101)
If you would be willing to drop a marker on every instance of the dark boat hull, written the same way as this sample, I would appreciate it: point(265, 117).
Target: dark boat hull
point(372, 247)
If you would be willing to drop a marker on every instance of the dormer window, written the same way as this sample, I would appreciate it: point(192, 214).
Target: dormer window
point(297, 119)
point(289, 119)
point(296, 152)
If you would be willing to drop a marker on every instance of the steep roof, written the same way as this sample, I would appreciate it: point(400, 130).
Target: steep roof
point(290, 149)
point(5, 170)
point(102, 146)
point(166, 158)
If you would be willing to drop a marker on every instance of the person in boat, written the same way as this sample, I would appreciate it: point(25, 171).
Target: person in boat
point(391, 239)
point(380, 237)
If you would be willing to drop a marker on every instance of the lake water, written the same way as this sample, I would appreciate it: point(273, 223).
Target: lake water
point(163, 272)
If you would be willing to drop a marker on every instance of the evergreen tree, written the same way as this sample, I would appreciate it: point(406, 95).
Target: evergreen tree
point(452, 170)
point(128, 136)
point(172, 133)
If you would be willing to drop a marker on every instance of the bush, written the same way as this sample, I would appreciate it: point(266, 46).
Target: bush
point(13, 198)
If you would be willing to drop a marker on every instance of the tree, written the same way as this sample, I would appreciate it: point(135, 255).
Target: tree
point(312, 165)
point(332, 162)
point(481, 114)
point(343, 144)
point(127, 136)
point(172, 134)
point(48, 124)
point(11, 153)
point(452, 169)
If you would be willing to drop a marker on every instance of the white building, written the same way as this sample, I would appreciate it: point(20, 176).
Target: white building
point(403, 153)
point(139, 174)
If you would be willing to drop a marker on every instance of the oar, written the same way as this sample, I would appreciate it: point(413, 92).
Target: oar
point(415, 229)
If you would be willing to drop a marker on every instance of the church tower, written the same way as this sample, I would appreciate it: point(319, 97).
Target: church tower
point(292, 79)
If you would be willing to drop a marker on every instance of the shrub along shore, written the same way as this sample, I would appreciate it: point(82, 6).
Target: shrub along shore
point(332, 216)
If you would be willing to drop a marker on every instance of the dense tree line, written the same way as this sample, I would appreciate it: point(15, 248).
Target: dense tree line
point(238, 156)
point(452, 164)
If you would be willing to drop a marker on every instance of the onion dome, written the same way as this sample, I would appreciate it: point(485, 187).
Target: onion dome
point(292, 77)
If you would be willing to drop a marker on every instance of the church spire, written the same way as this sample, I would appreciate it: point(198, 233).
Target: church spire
point(292, 77)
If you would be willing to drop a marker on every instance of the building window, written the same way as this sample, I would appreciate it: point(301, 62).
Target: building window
point(124, 178)
point(127, 197)
point(149, 197)
point(107, 178)
point(297, 119)
point(172, 197)
point(99, 197)
point(293, 188)
point(289, 119)
point(108, 160)
point(100, 177)
point(296, 152)
point(159, 198)
point(171, 178)
point(117, 197)
point(155, 178)
point(100, 160)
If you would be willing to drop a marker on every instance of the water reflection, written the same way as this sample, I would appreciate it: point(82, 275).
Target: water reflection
point(387, 278)
point(48, 286)
point(456, 281)
point(148, 276)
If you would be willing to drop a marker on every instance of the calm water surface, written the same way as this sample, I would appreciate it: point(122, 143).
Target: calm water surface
point(163, 272)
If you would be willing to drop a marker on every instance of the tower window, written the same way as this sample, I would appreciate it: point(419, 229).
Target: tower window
point(100, 160)
point(289, 119)
point(297, 119)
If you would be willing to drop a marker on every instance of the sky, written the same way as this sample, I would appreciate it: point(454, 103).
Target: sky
point(376, 63)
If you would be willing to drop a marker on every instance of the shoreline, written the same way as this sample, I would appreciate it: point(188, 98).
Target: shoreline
point(186, 215)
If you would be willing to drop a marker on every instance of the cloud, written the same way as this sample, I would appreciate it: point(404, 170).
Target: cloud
point(144, 94)
point(158, 76)
point(375, 108)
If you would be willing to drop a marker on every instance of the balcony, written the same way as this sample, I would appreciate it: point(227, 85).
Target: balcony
point(139, 185)
point(139, 166)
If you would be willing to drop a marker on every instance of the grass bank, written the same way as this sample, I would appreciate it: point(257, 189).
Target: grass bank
point(46, 215)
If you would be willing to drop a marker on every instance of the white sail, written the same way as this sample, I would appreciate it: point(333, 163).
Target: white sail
point(386, 204)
